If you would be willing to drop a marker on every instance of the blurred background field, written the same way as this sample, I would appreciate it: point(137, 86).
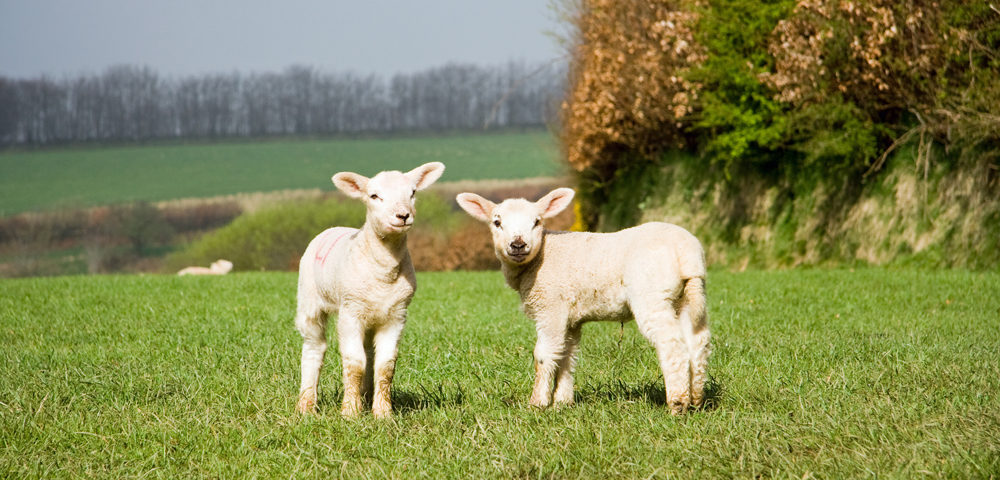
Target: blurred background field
point(126, 208)
point(782, 134)
point(60, 178)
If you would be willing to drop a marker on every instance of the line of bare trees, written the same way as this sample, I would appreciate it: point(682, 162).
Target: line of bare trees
point(131, 103)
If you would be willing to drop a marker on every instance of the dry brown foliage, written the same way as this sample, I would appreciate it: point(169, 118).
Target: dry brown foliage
point(627, 87)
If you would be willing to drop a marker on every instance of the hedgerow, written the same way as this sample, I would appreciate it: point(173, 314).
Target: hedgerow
point(798, 102)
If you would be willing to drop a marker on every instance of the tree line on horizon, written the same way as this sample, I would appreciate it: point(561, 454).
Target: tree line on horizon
point(129, 103)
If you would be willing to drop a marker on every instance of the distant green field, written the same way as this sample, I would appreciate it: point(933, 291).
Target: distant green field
point(85, 176)
point(815, 374)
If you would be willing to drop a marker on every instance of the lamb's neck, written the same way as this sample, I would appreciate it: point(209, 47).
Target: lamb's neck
point(520, 275)
point(385, 253)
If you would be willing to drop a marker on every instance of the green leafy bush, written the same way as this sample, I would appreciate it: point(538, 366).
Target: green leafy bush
point(272, 238)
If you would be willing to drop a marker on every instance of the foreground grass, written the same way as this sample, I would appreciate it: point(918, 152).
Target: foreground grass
point(75, 177)
point(815, 373)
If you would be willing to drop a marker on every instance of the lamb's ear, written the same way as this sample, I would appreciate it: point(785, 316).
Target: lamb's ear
point(352, 184)
point(554, 202)
point(477, 206)
point(426, 174)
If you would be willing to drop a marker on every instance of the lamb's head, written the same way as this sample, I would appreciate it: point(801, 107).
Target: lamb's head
point(390, 197)
point(221, 266)
point(517, 225)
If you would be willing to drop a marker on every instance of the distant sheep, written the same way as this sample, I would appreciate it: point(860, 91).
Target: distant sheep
point(653, 272)
point(218, 267)
point(366, 278)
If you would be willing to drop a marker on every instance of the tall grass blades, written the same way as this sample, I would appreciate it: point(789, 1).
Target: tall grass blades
point(815, 374)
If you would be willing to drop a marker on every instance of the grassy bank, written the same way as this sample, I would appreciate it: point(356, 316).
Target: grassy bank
point(875, 372)
point(85, 176)
point(908, 215)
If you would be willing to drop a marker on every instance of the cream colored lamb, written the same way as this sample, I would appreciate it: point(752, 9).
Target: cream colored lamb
point(218, 267)
point(365, 277)
point(653, 272)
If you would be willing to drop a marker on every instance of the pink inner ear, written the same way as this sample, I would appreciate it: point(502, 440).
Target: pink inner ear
point(556, 205)
point(475, 207)
point(479, 207)
point(351, 184)
point(421, 174)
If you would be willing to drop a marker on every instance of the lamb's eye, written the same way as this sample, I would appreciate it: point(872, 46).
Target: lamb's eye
point(538, 221)
point(413, 194)
point(374, 196)
point(496, 223)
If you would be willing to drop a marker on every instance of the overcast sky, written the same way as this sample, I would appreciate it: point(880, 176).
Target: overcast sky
point(181, 37)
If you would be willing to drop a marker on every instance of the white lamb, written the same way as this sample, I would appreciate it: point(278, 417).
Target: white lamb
point(218, 267)
point(366, 278)
point(653, 272)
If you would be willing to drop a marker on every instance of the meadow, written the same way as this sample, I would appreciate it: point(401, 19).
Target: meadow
point(815, 374)
point(56, 178)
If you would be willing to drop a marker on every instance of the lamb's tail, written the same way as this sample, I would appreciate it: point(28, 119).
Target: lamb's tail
point(694, 322)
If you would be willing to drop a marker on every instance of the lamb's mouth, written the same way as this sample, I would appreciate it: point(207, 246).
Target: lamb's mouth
point(517, 257)
point(393, 229)
point(401, 226)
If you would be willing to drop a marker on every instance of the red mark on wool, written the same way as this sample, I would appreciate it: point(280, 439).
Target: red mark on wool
point(326, 249)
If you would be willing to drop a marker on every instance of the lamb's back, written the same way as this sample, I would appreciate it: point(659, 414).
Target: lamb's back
point(598, 260)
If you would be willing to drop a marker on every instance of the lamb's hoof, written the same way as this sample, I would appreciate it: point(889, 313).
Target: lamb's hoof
point(678, 407)
point(350, 413)
point(350, 410)
point(306, 403)
point(539, 403)
point(562, 401)
point(382, 412)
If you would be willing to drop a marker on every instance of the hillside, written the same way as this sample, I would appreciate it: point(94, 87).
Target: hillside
point(88, 176)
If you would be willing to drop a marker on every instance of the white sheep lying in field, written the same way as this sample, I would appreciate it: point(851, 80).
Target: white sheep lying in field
point(366, 278)
point(218, 267)
point(653, 272)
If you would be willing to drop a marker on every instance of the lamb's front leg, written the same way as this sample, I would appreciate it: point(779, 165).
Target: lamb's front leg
point(386, 349)
point(352, 355)
point(564, 371)
point(548, 354)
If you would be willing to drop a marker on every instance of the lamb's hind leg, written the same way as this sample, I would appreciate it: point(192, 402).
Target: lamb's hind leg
point(694, 322)
point(311, 323)
point(658, 322)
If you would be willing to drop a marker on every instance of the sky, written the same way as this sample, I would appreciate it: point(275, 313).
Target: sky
point(193, 37)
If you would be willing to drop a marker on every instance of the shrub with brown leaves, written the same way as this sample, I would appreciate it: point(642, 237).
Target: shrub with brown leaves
point(628, 92)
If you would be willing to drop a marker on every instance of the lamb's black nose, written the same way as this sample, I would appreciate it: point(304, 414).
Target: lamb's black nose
point(403, 216)
point(518, 244)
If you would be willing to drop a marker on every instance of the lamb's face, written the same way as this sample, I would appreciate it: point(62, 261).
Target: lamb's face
point(517, 224)
point(390, 197)
point(517, 230)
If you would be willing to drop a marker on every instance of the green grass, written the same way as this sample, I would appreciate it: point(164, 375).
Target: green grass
point(74, 177)
point(815, 373)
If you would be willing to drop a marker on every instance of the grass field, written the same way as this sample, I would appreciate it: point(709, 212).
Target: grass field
point(822, 374)
point(85, 176)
